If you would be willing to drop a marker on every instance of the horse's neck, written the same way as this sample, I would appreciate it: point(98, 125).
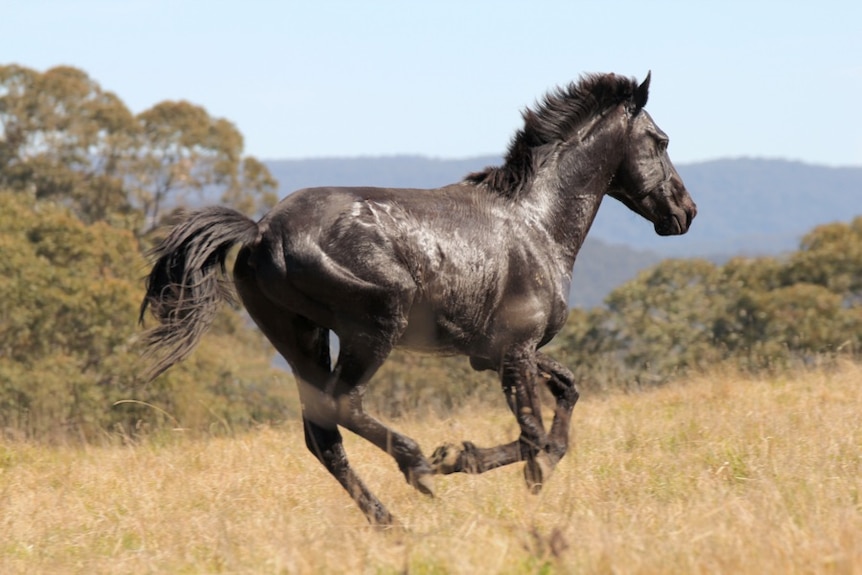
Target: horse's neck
point(568, 200)
point(570, 220)
point(568, 189)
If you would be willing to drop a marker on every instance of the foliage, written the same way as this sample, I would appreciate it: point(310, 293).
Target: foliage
point(69, 295)
point(66, 312)
point(65, 138)
point(83, 185)
point(684, 316)
point(182, 149)
point(662, 310)
point(831, 256)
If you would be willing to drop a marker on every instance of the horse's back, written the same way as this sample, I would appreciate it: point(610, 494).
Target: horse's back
point(442, 263)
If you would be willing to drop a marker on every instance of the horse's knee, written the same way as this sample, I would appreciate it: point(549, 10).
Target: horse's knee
point(562, 385)
point(570, 394)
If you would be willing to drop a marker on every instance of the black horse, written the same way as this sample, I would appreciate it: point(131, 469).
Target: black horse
point(480, 268)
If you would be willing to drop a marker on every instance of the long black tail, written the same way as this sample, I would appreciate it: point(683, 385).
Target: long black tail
point(189, 281)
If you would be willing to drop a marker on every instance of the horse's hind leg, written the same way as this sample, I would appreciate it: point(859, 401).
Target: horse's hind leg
point(321, 415)
point(326, 444)
point(346, 389)
point(305, 346)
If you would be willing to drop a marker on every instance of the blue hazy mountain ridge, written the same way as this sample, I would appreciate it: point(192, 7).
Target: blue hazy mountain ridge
point(745, 207)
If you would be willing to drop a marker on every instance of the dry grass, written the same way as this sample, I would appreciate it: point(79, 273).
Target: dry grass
point(722, 475)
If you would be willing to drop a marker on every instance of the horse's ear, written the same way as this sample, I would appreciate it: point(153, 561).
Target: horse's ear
point(642, 93)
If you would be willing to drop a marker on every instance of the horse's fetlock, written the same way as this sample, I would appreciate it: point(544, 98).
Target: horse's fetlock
point(449, 458)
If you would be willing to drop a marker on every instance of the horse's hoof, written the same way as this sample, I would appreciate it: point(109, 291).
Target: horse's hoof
point(537, 471)
point(379, 517)
point(423, 482)
point(446, 459)
point(394, 529)
point(387, 523)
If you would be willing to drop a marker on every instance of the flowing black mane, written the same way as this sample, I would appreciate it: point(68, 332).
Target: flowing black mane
point(555, 119)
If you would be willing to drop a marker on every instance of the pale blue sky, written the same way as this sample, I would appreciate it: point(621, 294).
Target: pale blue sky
point(780, 79)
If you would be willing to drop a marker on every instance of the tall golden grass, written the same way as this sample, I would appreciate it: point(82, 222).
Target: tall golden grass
point(721, 474)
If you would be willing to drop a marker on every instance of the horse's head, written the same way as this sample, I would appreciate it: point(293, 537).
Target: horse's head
point(646, 180)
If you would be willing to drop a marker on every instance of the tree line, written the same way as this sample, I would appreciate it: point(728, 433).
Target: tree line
point(67, 139)
point(86, 186)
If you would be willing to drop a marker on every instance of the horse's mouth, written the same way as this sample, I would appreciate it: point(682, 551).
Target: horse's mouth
point(675, 224)
point(670, 226)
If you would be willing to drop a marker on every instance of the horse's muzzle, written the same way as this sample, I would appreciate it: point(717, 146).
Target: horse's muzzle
point(679, 220)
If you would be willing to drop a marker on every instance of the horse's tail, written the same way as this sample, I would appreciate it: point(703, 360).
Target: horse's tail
point(189, 281)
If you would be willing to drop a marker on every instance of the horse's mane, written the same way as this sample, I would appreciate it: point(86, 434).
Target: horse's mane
point(555, 119)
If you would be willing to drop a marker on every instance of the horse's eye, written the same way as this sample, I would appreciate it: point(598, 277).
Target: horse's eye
point(662, 144)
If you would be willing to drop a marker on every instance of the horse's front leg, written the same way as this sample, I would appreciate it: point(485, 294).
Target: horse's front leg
point(518, 374)
point(561, 383)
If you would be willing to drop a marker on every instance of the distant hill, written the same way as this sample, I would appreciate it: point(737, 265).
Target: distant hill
point(745, 206)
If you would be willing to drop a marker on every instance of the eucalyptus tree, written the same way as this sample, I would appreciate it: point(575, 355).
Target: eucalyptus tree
point(66, 139)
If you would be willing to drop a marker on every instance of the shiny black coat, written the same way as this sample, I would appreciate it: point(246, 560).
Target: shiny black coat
point(480, 268)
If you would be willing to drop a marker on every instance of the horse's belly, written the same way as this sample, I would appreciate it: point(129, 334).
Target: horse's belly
point(435, 331)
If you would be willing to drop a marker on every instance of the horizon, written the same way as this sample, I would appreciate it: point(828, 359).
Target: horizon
point(499, 157)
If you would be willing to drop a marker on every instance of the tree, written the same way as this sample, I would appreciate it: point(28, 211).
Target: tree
point(69, 296)
point(66, 314)
point(739, 329)
point(805, 319)
point(663, 319)
point(78, 175)
point(183, 150)
point(830, 256)
point(64, 138)
point(255, 191)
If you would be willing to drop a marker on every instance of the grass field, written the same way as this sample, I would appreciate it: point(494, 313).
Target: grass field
point(724, 474)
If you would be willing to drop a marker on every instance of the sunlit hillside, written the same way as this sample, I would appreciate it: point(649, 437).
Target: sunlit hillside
point(722, 474)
